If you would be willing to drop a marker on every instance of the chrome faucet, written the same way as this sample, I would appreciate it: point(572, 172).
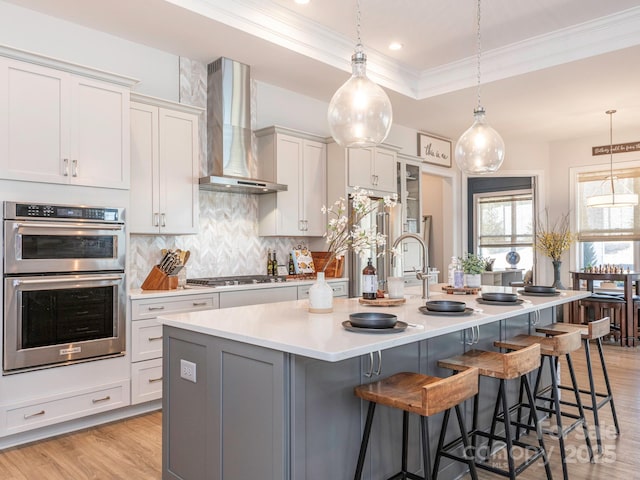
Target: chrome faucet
point(423, 275)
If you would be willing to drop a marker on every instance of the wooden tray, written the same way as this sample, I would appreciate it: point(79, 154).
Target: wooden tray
point(382, 302)
point(464, 290)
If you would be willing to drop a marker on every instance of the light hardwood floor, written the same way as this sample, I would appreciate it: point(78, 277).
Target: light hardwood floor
point(131, 449)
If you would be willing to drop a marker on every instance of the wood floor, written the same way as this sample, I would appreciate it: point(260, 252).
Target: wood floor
point(131, 449)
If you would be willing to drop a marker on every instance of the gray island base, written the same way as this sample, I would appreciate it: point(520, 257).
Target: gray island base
point(273, 392)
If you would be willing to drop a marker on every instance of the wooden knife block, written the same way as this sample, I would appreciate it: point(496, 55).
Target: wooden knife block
point(158, 280)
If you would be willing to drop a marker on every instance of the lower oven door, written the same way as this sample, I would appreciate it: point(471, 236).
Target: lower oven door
point(59, 319)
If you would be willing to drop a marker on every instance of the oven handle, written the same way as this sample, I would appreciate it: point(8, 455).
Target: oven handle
point(69, 280)
point(75, 226)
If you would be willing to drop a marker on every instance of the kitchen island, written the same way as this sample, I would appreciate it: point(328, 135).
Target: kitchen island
point(273, 396)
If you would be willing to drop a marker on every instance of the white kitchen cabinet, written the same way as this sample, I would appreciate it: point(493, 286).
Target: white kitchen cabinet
point(146, 338)
point(164, 167)
point(409, 190)
point(239, 298)
point(373, 168)
point(58, 127)
point(299, 161)
point(340, 290)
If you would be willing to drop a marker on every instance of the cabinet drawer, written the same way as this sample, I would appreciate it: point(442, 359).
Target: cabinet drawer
point(144, 309)
point(239, 298)
point(339, 290)
point(146, 340)
point(66, 407)
point(146, 381)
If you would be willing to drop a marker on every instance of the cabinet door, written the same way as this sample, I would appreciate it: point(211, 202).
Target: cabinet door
point(144, 213)
point(314, 195)
point(360, 167)
point(384, 170)
point(179, 168)
point(289, 151)
point(34, 122)
point(99, 134)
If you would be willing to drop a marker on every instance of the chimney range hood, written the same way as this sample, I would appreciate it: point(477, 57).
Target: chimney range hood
point(230, 161)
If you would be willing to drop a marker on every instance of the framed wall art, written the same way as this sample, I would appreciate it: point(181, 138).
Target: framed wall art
point(435, 150)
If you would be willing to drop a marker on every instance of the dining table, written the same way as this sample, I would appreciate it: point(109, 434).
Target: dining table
point(630, 286)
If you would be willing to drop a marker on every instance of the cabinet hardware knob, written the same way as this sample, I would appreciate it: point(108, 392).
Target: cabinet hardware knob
point(74, 168)
point(164, 219)
point(37, 414)
point(156, 219)
point(152, 339)
point(199, 304)
point(155, 380)
point(65, 167)
point(161, 307)
point(103, 399)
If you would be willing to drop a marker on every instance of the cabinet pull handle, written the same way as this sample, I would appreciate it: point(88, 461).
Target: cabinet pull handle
point(65, 167)
point(199, 304)
point(164, 219)
point(156, 219)
point(536, 318)
point(370, 371)
point(379, 369)
point(155, 380)
point(103, 399)
point(152, 339)
point(161, 307)
point(74, 168)
point(37, 414)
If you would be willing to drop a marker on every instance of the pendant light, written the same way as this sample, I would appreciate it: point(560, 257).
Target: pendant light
point(480, 150)
point(609, 198)
point(360, 112)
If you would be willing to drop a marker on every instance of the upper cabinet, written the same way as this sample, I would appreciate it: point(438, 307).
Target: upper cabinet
point(373, 168)
point(59, 127)
point(164, 167)
point(299, 161)
point(410, 194)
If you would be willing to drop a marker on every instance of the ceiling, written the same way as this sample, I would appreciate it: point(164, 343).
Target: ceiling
point(550, 68)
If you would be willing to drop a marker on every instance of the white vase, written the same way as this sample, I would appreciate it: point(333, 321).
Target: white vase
point(320, 296)
point(473, 280)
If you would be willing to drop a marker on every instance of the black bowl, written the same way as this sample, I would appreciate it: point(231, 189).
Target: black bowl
point(446, 306)
point(539, 289)
point(500, 297)
point(373, 320)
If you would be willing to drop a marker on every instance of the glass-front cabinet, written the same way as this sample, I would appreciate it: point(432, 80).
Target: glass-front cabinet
point(410, 197)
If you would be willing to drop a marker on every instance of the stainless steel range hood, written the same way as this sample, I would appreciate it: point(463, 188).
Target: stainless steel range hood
point(230, 161)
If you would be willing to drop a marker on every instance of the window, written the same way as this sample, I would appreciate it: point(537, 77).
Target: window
point(607, 235)
point(505, 222)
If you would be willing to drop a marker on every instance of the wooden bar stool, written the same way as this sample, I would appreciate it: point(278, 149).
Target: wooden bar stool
point(501, 366)
point(607, 306)
point(592, 331)
point(552, 348)
point(425, 396)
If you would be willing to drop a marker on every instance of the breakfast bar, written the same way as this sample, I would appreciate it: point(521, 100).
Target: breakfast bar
point(268, 391)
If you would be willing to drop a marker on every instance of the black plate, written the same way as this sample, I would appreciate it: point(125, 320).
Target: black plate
point(464, 313)
point(496, 302)
point(445, 306)
point(534, 294)
point(499, 297)
point(539, 289)
point(398, 327)
point(373, 320)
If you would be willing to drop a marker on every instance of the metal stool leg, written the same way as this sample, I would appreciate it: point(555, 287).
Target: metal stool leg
point(556, 401)
point(469, 455)
point(585, 428)
point(507, 431)
point(538, 427)
point(592, 394)
point(426, 454)
point(365, 440)
point(608, 385)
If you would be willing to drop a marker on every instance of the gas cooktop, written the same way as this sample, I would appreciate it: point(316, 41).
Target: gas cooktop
point(237, 280)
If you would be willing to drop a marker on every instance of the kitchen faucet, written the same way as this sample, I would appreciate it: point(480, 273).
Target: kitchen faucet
point(424, 274)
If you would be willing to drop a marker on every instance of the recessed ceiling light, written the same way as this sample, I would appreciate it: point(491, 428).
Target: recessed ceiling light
point(302, 2)
point(395, 46)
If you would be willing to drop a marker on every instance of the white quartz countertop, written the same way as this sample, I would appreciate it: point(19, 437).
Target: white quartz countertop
point(289, 327)
point(137, 293)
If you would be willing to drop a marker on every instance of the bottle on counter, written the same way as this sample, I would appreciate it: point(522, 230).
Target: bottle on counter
point(269, 263)
point(292, 268)
point(458, 276)
point(274, 264)
point(451, 271)
point(370, 282)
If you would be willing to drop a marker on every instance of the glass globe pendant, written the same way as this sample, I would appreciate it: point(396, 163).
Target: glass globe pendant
point(360, 113)
point(480, 150)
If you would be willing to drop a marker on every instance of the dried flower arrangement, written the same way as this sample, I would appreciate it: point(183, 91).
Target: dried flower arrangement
point(554, 239)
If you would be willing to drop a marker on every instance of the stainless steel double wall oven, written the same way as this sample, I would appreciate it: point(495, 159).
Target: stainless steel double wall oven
point(64, 284)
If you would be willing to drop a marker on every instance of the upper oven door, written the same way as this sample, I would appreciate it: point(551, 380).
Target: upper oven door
point(33, 246)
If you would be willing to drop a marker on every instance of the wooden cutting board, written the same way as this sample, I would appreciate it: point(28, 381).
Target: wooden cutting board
point(382, 302)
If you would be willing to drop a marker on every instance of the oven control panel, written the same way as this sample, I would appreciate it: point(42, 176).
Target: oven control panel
point(61, 212)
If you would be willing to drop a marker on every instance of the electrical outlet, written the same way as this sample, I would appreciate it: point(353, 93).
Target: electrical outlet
point(188, 370)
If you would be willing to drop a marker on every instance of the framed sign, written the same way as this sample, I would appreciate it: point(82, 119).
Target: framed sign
point(435, 150)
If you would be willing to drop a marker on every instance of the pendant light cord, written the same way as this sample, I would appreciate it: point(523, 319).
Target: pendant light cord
point(610, 113)
point(359, 44)
point(479, 50)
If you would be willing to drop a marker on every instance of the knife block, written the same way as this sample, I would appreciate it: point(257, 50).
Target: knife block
point(158, 280)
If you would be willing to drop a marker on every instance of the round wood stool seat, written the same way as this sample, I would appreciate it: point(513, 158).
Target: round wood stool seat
point(551, 348)
point(425, 396)
point(502, 367)
point(591, 331)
